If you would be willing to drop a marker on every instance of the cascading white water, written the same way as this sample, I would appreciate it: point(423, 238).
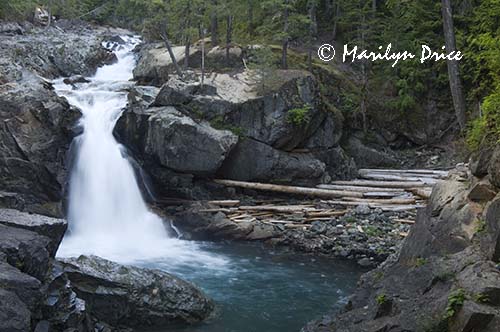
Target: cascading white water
point(107, 214)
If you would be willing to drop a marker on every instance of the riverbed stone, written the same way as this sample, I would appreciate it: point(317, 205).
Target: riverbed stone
point(131, 296)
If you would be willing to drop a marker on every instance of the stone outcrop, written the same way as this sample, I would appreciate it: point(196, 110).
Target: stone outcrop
point(130, 296)
point(186, 133)
point(37, 125)
point(446, 276)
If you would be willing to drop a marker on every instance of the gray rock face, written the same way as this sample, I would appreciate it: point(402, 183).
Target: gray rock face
point(36, 135)
point(50, 227)
point(14, 316)
point(176, 141)
point(494, 167)
point(186, 146)
point(27, 288)
point(366, 156)
point(36, 129)
point(122, 295)
point(26, 250)
point(255, 161)
point(480, 161)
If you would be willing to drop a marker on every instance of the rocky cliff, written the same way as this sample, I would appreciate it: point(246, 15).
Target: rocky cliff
point(447, 275)
point(37, 125)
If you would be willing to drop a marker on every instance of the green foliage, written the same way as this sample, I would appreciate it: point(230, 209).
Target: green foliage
point(480, 226)
point(381, 299)
point(480, 298)
point(420, 261)
point(220, 124)
point(299, 116)
point(455, 301)
point(372, 231)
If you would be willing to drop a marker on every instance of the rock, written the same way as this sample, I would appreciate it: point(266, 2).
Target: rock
point(491, 243)
point(255, 161)
point(262, 232)
point(363, 209)
point(217, 58)
point(479, 162)
point(365, 156)
point(170, 137)
point(154, 65)
point(130, 296)
point(36, 136)
point(52, 228)
point(208, 226)
point(494, 168)
point(25, 250)
point(339, 165)
point(26, 288)
point(473, 317)
point(75, 80)
point(482, 192)
point(62, 308)
point(14, 316)
point(11, 28)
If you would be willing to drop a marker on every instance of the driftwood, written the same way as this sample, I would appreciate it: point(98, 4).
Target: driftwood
point(229, 203)
point(388, 184)
point(290, 189)
point(357, 188)
point(393, 201)
point(414, 171)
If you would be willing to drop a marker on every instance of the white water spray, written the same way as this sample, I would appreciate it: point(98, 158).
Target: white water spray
point(107, 214)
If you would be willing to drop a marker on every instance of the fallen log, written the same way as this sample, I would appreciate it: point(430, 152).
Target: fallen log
point(290, 189)
point(416, 171)
point(276, 208)
point(405, 221)
point(229, 203)
point(393, 201)
point(384, 194)
point(326, 213)
point(387, 184)
point(388, 177)
point(217, 210)
point(357, 188)
point(421, 192)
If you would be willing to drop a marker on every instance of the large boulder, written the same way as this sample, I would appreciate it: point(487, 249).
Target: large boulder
point(52, 228)
point(252, 160)
point(175, 141)
point(131, 296)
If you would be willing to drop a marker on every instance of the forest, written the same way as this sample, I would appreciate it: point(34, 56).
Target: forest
point(303, 25)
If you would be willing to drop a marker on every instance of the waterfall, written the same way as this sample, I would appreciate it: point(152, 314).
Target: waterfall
point(107, 214)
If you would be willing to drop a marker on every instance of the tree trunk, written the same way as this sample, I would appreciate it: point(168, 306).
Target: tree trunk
point(313, 31)
point(229, 34)
point(186, 52)
point(163, 34)
point(250, 5)
point(214, 25)
point(453, 70)
point(202, 56)
point(284, 54)
point(335, 20)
